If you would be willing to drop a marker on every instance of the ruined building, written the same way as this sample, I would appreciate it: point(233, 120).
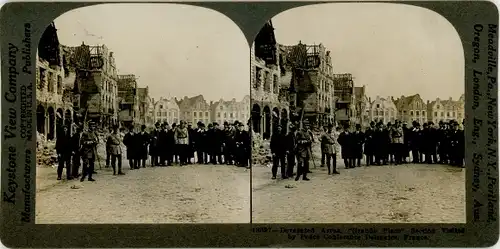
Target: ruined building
point(345, 109)
point(95, 86)
point(54, 105)
point(128, 100)
point(143, 102)
point(269, 108)
point(311, 88)
point(361, 107)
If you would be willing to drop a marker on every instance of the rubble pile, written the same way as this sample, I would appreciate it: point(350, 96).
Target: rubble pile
point(46, 155)
point(261, 151)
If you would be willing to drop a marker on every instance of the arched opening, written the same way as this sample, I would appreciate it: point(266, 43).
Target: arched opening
point(59, 120)
point(51, 128)
point(256, 118)
point(267, 123)
point(284, 120)
point(276, 118)
point(40, 119)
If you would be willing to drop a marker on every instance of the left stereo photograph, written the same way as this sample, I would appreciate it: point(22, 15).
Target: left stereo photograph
point(142, 117)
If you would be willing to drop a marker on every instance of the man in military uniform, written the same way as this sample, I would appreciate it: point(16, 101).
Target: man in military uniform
point(369, 144)
point(304, 143)
point(88, 151)
point(182, 140)
point(115, 149)
point(358, 139)
point(129, 140)
point(328, 142)
point(278, 151)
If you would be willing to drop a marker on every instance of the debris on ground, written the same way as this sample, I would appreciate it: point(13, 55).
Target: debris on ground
point(261, 151)
point(289, 186)
point(46, 155)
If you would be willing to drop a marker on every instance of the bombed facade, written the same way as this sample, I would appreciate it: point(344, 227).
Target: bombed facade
point(345, 106)
point(128, 100)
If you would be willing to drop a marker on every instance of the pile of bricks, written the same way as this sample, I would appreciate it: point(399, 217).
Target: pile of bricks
point(46, 155)
point(261, 151)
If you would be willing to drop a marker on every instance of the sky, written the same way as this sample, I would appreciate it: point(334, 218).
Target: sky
point(176, 50)
point(392, 49)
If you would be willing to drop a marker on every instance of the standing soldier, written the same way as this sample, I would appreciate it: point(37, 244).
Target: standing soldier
point(162, 144)
point(108, 153)
point(115, 149)
point(182, 140)
point(75, 147)
point(358, 139)
point(278, 151)
point(154, 147)
point(328, 142)
point(130, 143)
point(63, 149)
point(345, 141)
point(397, 136)
point(369, 144)
point(143, 141)
point(88, 152)
point(291, 151)
point(456, 138)
point(304, 143)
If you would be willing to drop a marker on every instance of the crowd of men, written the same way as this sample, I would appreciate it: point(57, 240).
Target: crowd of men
point(379, 144)
point(165, 145)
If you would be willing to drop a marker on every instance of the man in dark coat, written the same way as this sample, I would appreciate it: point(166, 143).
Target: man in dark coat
point(346, 142)
point(114, 144)
point(143, 140)
point(380, 140)
point(456, 140)
point(358, 139)
point(75, 148)
point(304, 143)
point(406, 147)
point(243, 146)
point(278, 151)
point(415, 142)
point(369, 144)
point(154, 146)
point(219, 139)
point(129, 140)
point(89, 142)
point(170, 152)
point(63, 149)
point(192, 143)
point(291, 146)
point(443, 142)
point(108, 154)
point(162, 144)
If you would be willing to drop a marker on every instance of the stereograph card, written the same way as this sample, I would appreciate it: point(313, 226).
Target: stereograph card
point(249, 124)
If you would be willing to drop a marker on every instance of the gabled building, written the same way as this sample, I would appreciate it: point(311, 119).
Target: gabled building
point(411, 108)
point(128, 100)
point(166, 110)
point(231, 111)
point(345, 106)
point(194, 109)
point(446, 110)
point(383, 110)
point(361, 105)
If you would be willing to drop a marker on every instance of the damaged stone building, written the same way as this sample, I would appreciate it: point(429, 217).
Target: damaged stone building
point(194, 109)
point(311, 86)
point(96, 88)
point(362, 107)
point(231, 111)
point(269, 107)
point(53, 100)
point(143, 102)
point(128, 100)
point(345, 108)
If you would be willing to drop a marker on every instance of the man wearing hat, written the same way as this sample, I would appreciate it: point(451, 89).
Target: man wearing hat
point(278, 151)
point(162, 144)
point(154, 146)
point(75, 149)
point(291, 151)
point(143, 140)
point(397, 136)
point(443, 142)
point(243, 146)
point(406, 146)
point(182, 141)
point(381, 141)
point(328, 141)
point(228, 143)
point(304, 143)
point(358, 139)
point(415, 138)
point(89, 142)
point(115, 149)
point(346, 142)
point(198, 142)
point(63, 149)
point(456, 138)
point(369, 144)
point(129, 140)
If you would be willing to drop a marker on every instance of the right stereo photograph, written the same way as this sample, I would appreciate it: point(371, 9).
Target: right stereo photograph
point(358, 116)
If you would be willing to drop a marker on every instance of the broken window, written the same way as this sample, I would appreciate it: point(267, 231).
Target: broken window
point(267, 82)
point(51, 82)
point(41, 84)
point(258, 79)
point(275, 83)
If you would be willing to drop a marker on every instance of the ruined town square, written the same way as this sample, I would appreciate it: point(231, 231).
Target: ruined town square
point(151, 134)
point(351, 126)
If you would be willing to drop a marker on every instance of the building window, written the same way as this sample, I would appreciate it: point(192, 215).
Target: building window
point(411, 113)
point(378, 105)
point(194, 114)
point(423, 113)
point(231, 115)
point(159, 114)
point(200, 115)
point(435, 114)
point(161, 106)
point(258, 72)
point(448, 114)
point(418, 113)
point(442, 114)
point(218, 114)
point(453, 114)
point(225, 114)
point(206, 114)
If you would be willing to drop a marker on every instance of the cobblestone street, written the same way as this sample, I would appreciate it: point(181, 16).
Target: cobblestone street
point(189, 194)
point(377, 194)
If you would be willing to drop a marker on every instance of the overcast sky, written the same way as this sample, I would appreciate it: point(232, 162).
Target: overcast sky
point(176, 50)
point(393, 49)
